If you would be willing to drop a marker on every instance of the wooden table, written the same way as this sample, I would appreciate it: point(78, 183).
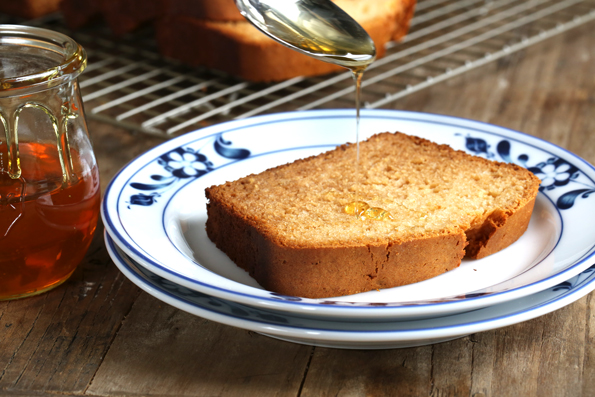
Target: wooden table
point(100, 335)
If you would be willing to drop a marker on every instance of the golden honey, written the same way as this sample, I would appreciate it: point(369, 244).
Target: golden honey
point(363, 211)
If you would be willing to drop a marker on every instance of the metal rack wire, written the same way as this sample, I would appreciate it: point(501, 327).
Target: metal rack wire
point(129, 84)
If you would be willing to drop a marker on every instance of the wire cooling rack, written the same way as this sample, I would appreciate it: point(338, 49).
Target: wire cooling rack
point(129, 84)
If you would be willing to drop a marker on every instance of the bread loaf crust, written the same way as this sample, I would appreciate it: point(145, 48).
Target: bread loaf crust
point(261, 60)
point(404, 17)
point(328, 271)
point(214, 10)
point(498, 231)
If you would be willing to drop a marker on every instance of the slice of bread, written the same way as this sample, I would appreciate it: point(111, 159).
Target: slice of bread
point(238, 48)
point(287, 226)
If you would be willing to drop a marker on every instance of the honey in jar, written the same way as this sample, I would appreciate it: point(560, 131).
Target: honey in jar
point(46, 228)
point(49, 182)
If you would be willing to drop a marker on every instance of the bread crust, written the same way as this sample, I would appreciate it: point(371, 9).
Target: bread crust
point(328, 271)
point(254, 60)
point(214, 10)
point(498, 231)
point(404, 18)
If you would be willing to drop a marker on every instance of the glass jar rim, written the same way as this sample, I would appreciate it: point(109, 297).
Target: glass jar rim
point(74, 57)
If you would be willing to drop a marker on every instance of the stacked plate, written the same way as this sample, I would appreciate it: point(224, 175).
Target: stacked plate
point(154, 211)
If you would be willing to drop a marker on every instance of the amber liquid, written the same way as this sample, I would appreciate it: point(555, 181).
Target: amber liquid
point(359, 208)
point(45, 226)
point(357, 77)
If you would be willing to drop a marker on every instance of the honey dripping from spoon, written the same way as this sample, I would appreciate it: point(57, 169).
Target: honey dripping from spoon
point(324, 31)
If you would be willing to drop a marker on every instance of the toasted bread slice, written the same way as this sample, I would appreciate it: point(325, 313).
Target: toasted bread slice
point(287, 226)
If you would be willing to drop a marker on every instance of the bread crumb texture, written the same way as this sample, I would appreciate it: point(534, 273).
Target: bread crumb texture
point(427, 188)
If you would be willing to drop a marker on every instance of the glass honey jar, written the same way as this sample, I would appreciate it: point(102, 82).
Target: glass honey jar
point(49, 181)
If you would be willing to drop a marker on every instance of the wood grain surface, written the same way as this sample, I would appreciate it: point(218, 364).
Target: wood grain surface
point(99, 335)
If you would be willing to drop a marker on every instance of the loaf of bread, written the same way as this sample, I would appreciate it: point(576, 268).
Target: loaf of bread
point(29, 8)
point(78, 13)
point(212, 10)
point(122, 16)
point(234, 46)
point(289, 229)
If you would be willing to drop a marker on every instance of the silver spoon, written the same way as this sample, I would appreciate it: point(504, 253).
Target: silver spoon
point(317, 28)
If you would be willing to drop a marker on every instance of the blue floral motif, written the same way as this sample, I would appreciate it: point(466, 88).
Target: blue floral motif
point(182, 163)
point(567, 199)
point(554, 172)
point(503, 149)
point(477, 146)
point(557, 172)
point(143, 199)
point(222, 147)
point(185, 163)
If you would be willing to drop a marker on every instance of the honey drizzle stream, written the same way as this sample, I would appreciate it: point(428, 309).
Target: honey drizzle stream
point(358, 73)
point(359, 208)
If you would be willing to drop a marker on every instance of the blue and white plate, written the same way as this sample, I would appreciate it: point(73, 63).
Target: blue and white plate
point(346, 334)
point(155, 210)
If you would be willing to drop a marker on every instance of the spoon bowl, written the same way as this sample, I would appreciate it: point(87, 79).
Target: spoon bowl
point(317, 28)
